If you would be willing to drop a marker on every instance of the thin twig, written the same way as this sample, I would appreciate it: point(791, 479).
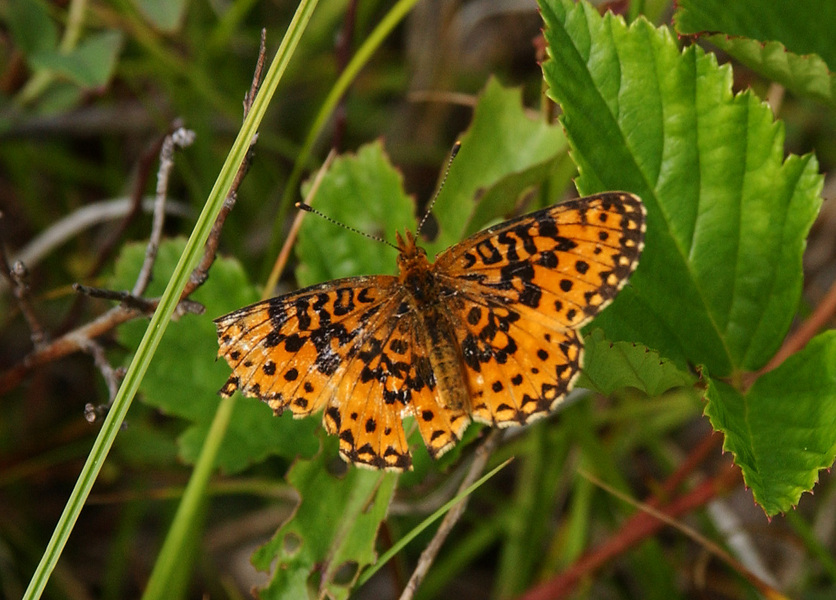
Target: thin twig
point(181, 138)
point(17, 275)
point(69, 343)
point(109, 245)
point(112, 376)
point(143, 173)
point(695, 458)
point(86, 217)
point(480, 459)
point(126, 298)
point(132, 306)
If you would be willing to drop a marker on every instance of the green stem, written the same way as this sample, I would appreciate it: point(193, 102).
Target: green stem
point(169, 562)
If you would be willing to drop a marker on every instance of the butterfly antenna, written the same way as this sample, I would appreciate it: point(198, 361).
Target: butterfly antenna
point(453, 153)
point(310, 209)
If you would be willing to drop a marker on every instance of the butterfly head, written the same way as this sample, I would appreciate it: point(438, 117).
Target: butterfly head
point(411, 254)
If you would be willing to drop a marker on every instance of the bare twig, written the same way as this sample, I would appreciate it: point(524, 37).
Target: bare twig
point(180, 138)
point(143, 172)
point(112, 376)
point(84, 218)
point(695, 458)
point(821, 316)
point(132, 306)
point(480, 459)
point(127, 298)
point(17, 275)
point(71, 342)
point(107, 248)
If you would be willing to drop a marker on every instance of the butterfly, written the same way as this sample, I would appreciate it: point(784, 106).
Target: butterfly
point(489, 332)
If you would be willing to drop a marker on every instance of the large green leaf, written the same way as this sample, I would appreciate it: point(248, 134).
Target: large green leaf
point(782, 430)
point(720, 276)
point(332, 533)
point(183, 380)
point(788, 41)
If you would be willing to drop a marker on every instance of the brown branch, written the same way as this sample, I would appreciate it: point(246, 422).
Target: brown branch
point(108, 247)
point(822, 315)
point(696, 458)
point(483, 453)
point(636, 529)
point(767, 590)
point(69, 343)
point(112, 376)
point(143, 173)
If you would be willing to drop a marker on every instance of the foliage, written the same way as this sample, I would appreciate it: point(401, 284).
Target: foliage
point(701, 327)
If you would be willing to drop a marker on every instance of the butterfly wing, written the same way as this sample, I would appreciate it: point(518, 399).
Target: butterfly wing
point(288, 350)
point(351, 346)
point(521, 290)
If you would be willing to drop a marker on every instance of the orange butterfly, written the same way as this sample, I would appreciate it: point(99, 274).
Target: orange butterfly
point(489, 332)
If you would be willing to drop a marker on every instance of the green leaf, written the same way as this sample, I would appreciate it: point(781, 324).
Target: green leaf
point(362, 191)
point(775, 38)
point(504, 153)
point(782, 430)
point(165, 15)
point(332, 533)
point(91, 64)
point(31, 28)
point(802, 26)
point(183, 380)
point(611, 366)
point(720, 276)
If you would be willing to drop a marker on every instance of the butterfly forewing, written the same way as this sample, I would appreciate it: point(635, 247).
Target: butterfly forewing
point(288, 350)
point(520, 291)
point(566, 262)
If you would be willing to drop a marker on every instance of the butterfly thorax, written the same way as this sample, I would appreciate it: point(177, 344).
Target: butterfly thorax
point(435, 330)
point(416, 273)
